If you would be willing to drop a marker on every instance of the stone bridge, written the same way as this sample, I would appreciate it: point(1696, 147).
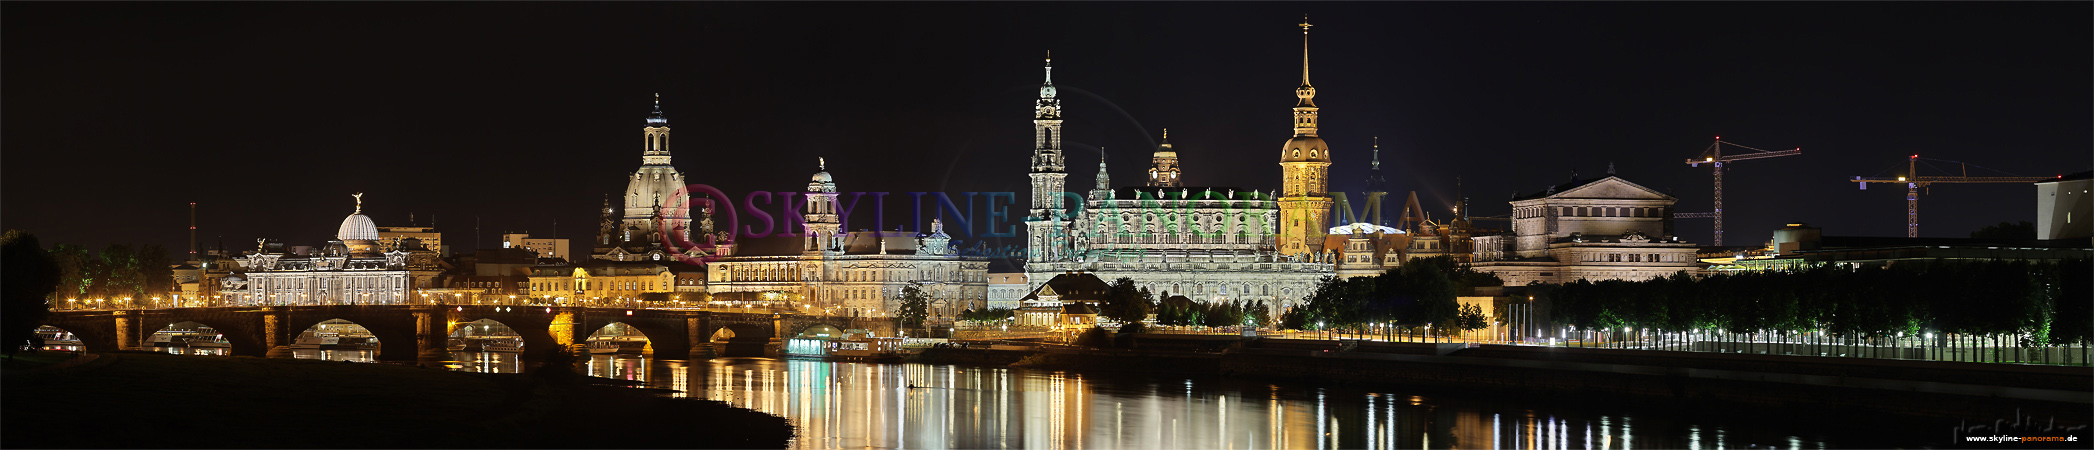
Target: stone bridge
point(421, 332)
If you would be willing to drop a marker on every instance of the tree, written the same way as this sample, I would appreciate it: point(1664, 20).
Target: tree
point(987, 315)
point(2014, 231)
point(915, 306)
point(28, 276)
point(1095, 338)
point(155, 272)
point(1471, 318)
point(1125, 303)
point(75, 269)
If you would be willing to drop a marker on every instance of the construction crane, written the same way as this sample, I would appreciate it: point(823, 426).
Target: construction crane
point(1913, 183)
point(1714, 156)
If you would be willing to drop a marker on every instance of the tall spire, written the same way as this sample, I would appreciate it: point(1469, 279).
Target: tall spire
point(1047, 86)
point(1377, 154)
point(655, 119)
point(1306, 92)
point(1305, 49)
point(1104, 180)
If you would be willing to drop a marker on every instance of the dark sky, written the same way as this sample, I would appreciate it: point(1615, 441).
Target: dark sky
point(269, 115)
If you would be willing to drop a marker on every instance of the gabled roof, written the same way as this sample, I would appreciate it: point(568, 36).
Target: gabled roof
point(1072, 287)
point(1606, 187)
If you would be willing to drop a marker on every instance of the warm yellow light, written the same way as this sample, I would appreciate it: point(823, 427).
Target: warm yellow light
point(1901, 178)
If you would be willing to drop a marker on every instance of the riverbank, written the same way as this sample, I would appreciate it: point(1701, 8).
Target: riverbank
point(1856, 385)
point(149, 400)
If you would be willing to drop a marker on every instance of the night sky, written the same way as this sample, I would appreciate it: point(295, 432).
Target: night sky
point(518, 115)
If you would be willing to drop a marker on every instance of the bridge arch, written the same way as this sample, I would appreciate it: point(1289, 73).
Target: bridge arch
point(187, 338)
point(90, 339)
point(739, 339)
point(625, 335)
point(242, 338)
point(491, 329)
point(383, 345)
point(819, 331)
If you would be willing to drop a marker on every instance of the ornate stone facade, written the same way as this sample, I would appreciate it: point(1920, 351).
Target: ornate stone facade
point(858, 274)
point(1602, 229)
point(350, 270)
point(1205, 243)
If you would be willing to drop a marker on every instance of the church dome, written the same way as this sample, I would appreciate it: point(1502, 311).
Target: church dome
point(357, 227)
point(1305, 148)
point(822, 177)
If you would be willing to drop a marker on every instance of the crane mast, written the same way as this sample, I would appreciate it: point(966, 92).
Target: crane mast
point(1913, 182)
point(1714, 156)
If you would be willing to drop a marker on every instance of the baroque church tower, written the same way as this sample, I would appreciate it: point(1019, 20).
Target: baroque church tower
point(1042, 226)
point(638, 234)
point(1305, 161)
point(1163, 170)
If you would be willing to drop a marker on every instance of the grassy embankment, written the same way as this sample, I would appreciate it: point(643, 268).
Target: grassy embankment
point(145, 400)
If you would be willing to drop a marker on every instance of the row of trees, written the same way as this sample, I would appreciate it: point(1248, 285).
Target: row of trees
point(2045, 302)
point(36, 278)
point(1216, 314)
point(117, 271)
point(1422, 292)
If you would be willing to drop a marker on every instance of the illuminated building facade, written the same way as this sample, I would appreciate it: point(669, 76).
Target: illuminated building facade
point(858, 274)
point(634, 232)
point(1600, 229)
point(350, 270)
point(1206, 243)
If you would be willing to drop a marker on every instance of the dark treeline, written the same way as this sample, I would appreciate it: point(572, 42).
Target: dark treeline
point(114, 273)
point(1419, 293)
point(1213, 314)
point(2041, 303)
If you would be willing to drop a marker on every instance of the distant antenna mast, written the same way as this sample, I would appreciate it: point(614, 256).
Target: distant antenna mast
point(192, 232)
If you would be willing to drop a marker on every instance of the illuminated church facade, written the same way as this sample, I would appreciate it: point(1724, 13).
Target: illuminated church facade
point(1205, 243)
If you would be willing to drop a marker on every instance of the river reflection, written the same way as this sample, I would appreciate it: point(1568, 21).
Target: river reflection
point(859, 405)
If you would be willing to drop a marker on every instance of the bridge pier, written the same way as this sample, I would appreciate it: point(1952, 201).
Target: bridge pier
point(431, 339)
point(701, 342)
point(273, 334)
point(127, 336)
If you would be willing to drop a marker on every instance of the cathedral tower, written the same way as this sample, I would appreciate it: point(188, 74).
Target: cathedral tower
point(822, 222)
point(1304, 161)
point(1163, 171)
point(1048, 172)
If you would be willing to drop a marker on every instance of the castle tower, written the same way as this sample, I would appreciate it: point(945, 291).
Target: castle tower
point(1163, 171)
point(1305, 161)
point(1048, 171)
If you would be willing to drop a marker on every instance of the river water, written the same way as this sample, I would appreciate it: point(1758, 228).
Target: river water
point(865, 405)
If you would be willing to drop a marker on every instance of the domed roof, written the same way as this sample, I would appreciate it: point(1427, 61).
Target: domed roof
point(357, 227)
point(822, 177)
point(1305, 148)
point(1365, 228)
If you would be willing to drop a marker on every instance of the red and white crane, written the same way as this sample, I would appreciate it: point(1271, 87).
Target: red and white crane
point(1715, 157)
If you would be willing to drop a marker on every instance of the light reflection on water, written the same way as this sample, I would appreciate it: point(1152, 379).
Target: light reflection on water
point(860, 405)
point(362, 356)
